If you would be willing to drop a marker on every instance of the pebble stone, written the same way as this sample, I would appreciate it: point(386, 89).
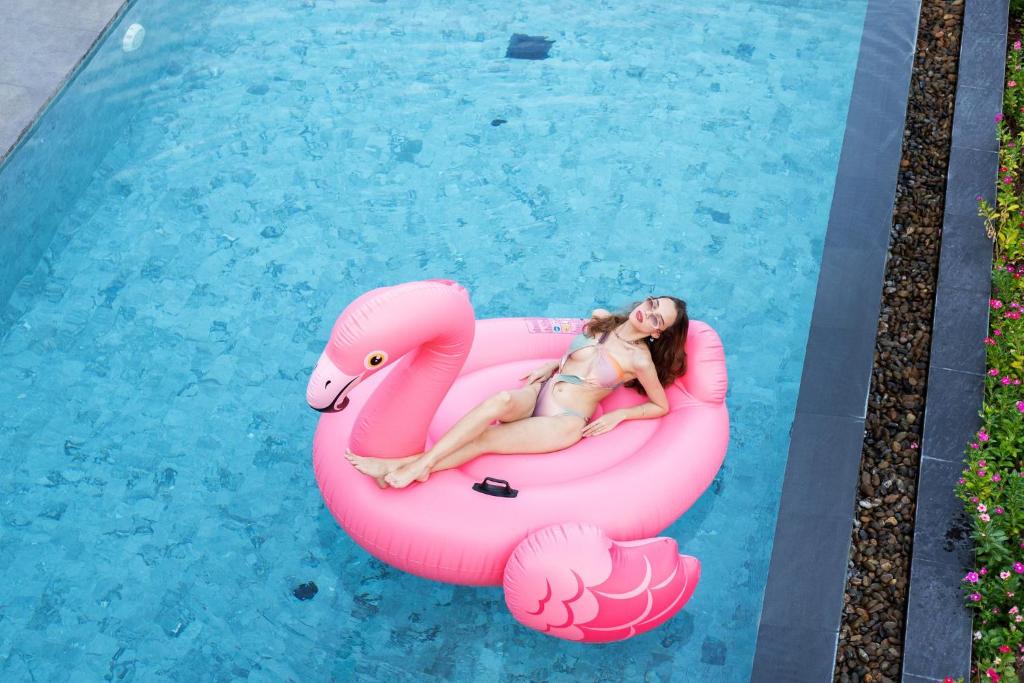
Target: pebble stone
point(871, 632)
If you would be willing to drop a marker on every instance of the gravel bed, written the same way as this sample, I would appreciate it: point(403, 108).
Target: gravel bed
point(871, 632)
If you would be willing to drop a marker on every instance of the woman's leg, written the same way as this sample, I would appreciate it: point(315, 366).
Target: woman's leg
point(529, 435)
point(505, 406)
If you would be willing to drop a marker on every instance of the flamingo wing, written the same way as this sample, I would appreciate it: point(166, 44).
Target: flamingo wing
point(571, 581)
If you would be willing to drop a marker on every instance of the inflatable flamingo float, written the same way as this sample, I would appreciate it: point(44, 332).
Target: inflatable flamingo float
point(568, 534)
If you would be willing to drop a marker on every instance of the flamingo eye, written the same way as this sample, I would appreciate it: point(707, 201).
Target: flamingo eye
point(375, 359)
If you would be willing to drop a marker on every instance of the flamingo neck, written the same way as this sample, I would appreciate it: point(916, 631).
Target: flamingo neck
point(396, 417)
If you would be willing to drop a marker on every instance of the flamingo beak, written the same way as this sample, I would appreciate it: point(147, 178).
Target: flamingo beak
point(329, 387)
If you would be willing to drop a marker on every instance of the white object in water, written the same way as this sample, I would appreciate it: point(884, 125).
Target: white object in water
point(133, 38)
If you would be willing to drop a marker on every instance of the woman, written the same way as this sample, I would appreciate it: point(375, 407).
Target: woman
point(642, 349)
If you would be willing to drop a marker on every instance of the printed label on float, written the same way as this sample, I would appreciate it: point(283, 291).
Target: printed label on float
point(555, 325)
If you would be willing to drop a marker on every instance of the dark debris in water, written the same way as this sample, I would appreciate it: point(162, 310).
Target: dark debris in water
point(521, 46)
point(498, 122)
point(305, 591)
point(272, 231)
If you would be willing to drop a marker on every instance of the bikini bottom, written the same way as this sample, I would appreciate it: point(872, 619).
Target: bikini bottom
point(546, 405)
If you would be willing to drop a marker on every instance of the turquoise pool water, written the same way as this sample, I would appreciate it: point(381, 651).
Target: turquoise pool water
point(193, 216)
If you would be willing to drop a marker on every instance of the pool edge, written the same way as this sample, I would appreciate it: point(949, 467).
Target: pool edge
point(57, 85)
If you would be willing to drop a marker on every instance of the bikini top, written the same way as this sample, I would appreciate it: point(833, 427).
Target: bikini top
point(603, 371)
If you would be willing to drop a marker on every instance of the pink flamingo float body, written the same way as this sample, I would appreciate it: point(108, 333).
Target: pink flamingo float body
point(570, 535)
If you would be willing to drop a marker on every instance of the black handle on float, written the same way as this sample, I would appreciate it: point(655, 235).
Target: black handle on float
point(503, 491)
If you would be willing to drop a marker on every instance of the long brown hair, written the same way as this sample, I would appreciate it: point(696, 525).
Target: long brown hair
point(668, 351)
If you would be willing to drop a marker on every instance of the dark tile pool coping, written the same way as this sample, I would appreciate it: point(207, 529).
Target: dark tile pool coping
point(42, 44)
point(937, 641)
point(803, 602)
point(800, 618)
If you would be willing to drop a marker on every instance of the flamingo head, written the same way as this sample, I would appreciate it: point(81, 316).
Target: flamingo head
point(329, 386)
point(375, 330)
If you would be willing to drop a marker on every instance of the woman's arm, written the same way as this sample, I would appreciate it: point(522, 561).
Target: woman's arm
point(657, 401)
point(543, 372)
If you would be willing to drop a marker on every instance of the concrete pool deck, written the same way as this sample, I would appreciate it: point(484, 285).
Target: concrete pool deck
point(41, 46)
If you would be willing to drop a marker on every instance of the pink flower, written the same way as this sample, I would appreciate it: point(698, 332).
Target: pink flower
point(1016, 45)
point(991, 673)
point(1005, 380)
point(995, 303)
point(984, 517)
point(1012, 84)
point(1020, 406)
point(1013, 315)
point(975, 597)
point(1004, 575)
point(990, 341)
point(913, 445)
point(982, 508)
point(999, 117)
point(960, 480)
point(999, 511)
point(974, 499)
point(993, 372)
point(1007, 180)
point(1014, 609)
point(996, 477)
point(1019, 566)
point(1019, 618)
point(983, 571)
point(981, 473)
point(975, 445)
point(997, 333)
point(972, 577)
point(982, 435)
point(981, 463)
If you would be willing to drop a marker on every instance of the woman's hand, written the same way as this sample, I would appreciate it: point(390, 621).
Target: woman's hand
point(603, 424)
point(540, 374)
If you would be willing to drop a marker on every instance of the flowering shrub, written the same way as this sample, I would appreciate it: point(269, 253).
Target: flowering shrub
point(992, 485)
point(1004, 222)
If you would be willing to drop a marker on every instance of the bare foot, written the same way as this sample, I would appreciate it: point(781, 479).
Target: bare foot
point(376, 467)
point(407, 474)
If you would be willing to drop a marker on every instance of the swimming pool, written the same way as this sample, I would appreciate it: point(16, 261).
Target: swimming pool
point(253, 168)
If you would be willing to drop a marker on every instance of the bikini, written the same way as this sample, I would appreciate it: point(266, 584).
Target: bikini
point(603, 372)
